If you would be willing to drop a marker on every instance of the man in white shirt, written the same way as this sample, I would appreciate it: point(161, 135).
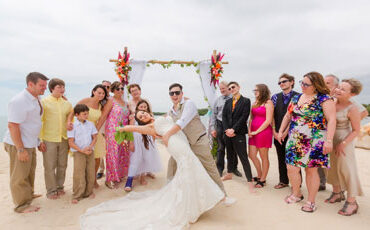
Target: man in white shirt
point(21, 140)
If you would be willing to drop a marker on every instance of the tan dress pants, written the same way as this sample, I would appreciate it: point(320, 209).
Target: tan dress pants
point(83, 175)
point(22, 177)
point(202, 151)
point(55, 165)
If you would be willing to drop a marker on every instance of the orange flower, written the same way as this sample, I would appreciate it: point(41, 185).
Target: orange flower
point(218, 65)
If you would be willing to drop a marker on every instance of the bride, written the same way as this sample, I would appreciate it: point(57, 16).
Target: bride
point(189, 194)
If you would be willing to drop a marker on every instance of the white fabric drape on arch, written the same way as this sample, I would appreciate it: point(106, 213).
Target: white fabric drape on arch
point(205, 78)
point(136, 74)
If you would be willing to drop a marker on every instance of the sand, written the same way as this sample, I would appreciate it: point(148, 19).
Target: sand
point(263, 210)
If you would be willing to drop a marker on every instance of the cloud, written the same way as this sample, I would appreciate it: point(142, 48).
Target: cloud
point(74, 40)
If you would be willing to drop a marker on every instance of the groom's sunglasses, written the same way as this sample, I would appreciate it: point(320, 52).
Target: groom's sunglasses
point(177, 93)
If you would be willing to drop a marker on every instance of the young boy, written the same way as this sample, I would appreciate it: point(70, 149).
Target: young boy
point(82, 140)
point(54, 136)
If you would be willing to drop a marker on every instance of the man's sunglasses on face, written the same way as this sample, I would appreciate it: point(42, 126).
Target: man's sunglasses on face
point(232, 87)
point(177, 93)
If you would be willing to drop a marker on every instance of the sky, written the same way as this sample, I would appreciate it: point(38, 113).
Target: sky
point(74, 40)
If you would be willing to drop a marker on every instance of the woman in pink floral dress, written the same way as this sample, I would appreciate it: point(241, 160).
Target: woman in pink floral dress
point(115, 113)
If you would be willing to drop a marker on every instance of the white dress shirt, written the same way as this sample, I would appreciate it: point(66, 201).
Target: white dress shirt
point(24, 109)
point(189, 112)
point(82, 133)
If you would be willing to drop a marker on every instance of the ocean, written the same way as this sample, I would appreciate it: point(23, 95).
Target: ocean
point(4, 124)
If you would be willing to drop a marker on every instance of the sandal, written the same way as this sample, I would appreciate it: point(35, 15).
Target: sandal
point(290, 199)
point(280, 186)
point(309, 207)
point(344, 212)
point(332, 195)
point(260, 184)
point(109, 184)
point(255, 179)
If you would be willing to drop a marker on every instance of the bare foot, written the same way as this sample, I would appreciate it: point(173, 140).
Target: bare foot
point(228, 176)
point(61, 192)
point(52, 196)
point(116, 185)
point(34, 196)
point(92, 196)
point(30, 209)
point(96, 185)
point(74, 201)
point(143, 181)
point(251, 187)
point(151, 175)
point(128, 189)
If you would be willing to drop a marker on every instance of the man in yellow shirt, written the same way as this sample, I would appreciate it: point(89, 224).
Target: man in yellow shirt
point(54, 136)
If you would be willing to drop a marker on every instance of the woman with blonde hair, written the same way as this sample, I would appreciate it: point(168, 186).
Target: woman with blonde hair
point(343, 172)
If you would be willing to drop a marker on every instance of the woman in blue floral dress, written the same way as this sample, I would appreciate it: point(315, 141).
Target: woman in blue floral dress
point(312, 125)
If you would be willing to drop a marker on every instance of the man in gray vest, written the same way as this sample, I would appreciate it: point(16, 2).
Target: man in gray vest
point(186, 118)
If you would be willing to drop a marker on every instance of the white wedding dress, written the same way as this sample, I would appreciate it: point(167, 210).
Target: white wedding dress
point(189, 194)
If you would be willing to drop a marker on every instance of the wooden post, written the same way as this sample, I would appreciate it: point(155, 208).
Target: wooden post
point(215, 55)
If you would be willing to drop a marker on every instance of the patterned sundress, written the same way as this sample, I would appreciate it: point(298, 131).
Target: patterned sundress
point(118, 156)
point(307, 133)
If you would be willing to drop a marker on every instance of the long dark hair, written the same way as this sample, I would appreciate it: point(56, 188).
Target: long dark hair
point(105, 99)
point(264, 94)
point(147, 105)
point(146, 139)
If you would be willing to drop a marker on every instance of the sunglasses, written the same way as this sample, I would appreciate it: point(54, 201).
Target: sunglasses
point(232, 87)
point(106, 86)
point(303, 84)
point(121, 88)
point(282, 82)
point(177, 93)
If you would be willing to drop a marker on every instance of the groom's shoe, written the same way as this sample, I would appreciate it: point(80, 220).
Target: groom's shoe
point(228, 201)
point(237, 173)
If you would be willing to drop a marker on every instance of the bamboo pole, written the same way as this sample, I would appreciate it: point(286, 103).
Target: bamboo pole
point(172, 62)
point(168, 62)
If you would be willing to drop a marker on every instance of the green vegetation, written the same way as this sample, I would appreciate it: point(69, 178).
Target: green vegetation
point(367, 106)
point(201, 112)
point(158, 113)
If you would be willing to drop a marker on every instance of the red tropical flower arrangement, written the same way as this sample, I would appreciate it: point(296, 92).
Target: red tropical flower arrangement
point(123, 67)
point(216, 69)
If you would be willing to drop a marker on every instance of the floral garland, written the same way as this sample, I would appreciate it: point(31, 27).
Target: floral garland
point(123, 67)
point(216, 69)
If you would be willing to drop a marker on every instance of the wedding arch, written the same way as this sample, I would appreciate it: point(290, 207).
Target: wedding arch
point(131, 71)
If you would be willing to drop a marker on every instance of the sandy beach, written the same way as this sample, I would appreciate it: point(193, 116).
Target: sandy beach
point(263, 210)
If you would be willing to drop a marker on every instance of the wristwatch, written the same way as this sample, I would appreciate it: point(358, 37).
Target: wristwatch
point(20, 150)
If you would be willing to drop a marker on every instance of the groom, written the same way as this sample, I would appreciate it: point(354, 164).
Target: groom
point(185, 115)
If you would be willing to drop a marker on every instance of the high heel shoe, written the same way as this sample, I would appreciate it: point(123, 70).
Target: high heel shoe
point(344, 212)
point(339, 199)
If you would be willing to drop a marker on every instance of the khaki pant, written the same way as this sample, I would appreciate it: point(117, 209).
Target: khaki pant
point(22, 177)
point(83, 175)
point(55, 165)
point(202, 151)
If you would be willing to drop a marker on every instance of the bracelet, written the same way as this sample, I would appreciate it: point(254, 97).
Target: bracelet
point(344, 142)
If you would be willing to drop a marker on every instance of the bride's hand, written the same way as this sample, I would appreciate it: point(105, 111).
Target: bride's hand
point(165, 139)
